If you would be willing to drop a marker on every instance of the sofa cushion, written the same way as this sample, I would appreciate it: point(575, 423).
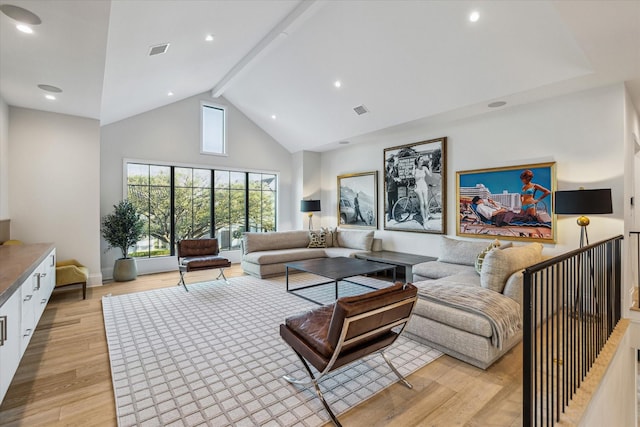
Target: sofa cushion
point(437, 269)
point(355, 239)
point(253, 242)
point(345, 252)
point(317, 239)
point(467, 278)
point(499, 264)
point(283, 255)
point(458, 319)
point(462, 252)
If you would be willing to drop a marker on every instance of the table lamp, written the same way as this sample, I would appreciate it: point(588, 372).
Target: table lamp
point(583, 202)
point(310, 206)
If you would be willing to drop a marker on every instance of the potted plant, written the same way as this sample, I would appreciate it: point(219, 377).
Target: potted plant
point(122, 229)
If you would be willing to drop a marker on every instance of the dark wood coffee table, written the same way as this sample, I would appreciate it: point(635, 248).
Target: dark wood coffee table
point(337, 269)
point(399, 259)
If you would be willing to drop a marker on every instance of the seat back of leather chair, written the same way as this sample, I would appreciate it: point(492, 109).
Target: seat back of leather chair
point(371, 315)
point(197, 247)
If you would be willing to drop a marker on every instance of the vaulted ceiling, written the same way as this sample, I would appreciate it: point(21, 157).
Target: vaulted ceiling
point(405, 61)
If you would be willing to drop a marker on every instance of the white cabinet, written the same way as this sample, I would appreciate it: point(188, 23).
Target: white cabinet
point(10, 340)
point(35, 294)
point(19, 316)
point(44, 282)
point(28, 291)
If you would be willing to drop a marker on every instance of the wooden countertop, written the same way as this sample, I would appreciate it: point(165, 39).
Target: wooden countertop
point(17, 262)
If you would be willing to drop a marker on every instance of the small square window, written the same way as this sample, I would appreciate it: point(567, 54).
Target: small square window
point(213, 130)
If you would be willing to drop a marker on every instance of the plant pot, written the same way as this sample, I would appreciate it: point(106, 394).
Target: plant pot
point(125, 269)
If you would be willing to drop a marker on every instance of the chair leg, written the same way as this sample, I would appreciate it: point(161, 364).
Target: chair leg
point(181, 282)
point(395, 371)
point(84, 290)
point(314, 381)
point(223, 276)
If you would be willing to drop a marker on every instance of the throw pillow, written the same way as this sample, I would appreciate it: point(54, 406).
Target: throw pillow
point(330, 236)
point(317, 239)
point(456, 251)
point(498, 265)
point(481, 255)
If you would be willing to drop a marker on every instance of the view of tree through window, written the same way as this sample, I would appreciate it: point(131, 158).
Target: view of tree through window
point(180, 202)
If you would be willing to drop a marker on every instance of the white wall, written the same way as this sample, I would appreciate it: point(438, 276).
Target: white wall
point(632, 188)
point(54, 188)
point(581, 132)
point(618, 386)
point(172, 134)
point(4, 160)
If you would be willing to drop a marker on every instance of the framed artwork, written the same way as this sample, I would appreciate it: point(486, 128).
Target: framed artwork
point(415, 187)
point(513, 202)
point(358, 200)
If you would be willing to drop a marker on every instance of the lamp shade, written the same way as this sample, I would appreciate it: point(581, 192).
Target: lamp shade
point(309, 205)
point(583, 202)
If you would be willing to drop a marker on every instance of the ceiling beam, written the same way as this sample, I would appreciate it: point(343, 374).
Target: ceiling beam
point(279, 32)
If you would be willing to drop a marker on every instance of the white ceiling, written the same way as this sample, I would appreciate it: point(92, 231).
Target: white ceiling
point(407, 61)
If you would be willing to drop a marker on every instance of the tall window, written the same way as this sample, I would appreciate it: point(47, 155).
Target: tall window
point(213, 130)
point(262, 202)
point(192, 203)
point(181, 202)
point(149, 189)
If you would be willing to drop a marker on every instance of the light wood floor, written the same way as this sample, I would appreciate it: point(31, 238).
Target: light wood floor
point(64, 378)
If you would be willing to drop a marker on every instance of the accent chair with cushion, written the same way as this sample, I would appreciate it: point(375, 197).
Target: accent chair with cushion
point(71, 272)
point(335, 335)
point(200, 254)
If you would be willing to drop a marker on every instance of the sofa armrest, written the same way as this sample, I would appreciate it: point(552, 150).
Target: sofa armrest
point(513, 287)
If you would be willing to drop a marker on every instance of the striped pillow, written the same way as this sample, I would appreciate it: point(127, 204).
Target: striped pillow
point(485, 251)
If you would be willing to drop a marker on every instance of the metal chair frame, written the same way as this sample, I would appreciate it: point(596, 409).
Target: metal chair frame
point(184, 269)
point(342, 342)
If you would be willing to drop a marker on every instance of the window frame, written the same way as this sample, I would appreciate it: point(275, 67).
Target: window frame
point(212, 168)
point(207, 104)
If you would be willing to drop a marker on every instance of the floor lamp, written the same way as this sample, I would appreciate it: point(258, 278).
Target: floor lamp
point(310, 206)
point(582, 202)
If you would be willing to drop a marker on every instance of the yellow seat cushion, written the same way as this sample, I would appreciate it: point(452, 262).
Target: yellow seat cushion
point(70, 271)
point(12, 242)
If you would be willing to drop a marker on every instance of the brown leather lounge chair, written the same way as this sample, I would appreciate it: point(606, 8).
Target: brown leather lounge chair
point(332, 336)
point(200, 254)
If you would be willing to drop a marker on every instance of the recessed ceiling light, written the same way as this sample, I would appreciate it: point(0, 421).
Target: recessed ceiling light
point(209, 38)
point(273, 116)
point(337, 83)
point(50, 88)
point(474, 16)
point(169, 93)
point(20, 14)
point(497, 104)
point(24, 28)
point(50, 97)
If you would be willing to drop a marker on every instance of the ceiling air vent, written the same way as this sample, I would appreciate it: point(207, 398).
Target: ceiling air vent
point(360, 110)
point(159, 49)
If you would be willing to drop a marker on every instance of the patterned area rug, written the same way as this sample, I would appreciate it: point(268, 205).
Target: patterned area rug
point(214, 357)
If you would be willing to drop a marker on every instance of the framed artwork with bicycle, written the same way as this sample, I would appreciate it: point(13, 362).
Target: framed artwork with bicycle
point(512, 202)
point(358, 200)
point(415, 186)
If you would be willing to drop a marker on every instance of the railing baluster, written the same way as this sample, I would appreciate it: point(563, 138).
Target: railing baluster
point(571, 306)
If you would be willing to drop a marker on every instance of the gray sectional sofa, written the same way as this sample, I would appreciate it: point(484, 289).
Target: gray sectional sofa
point(265, 254)
point(475, 317)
